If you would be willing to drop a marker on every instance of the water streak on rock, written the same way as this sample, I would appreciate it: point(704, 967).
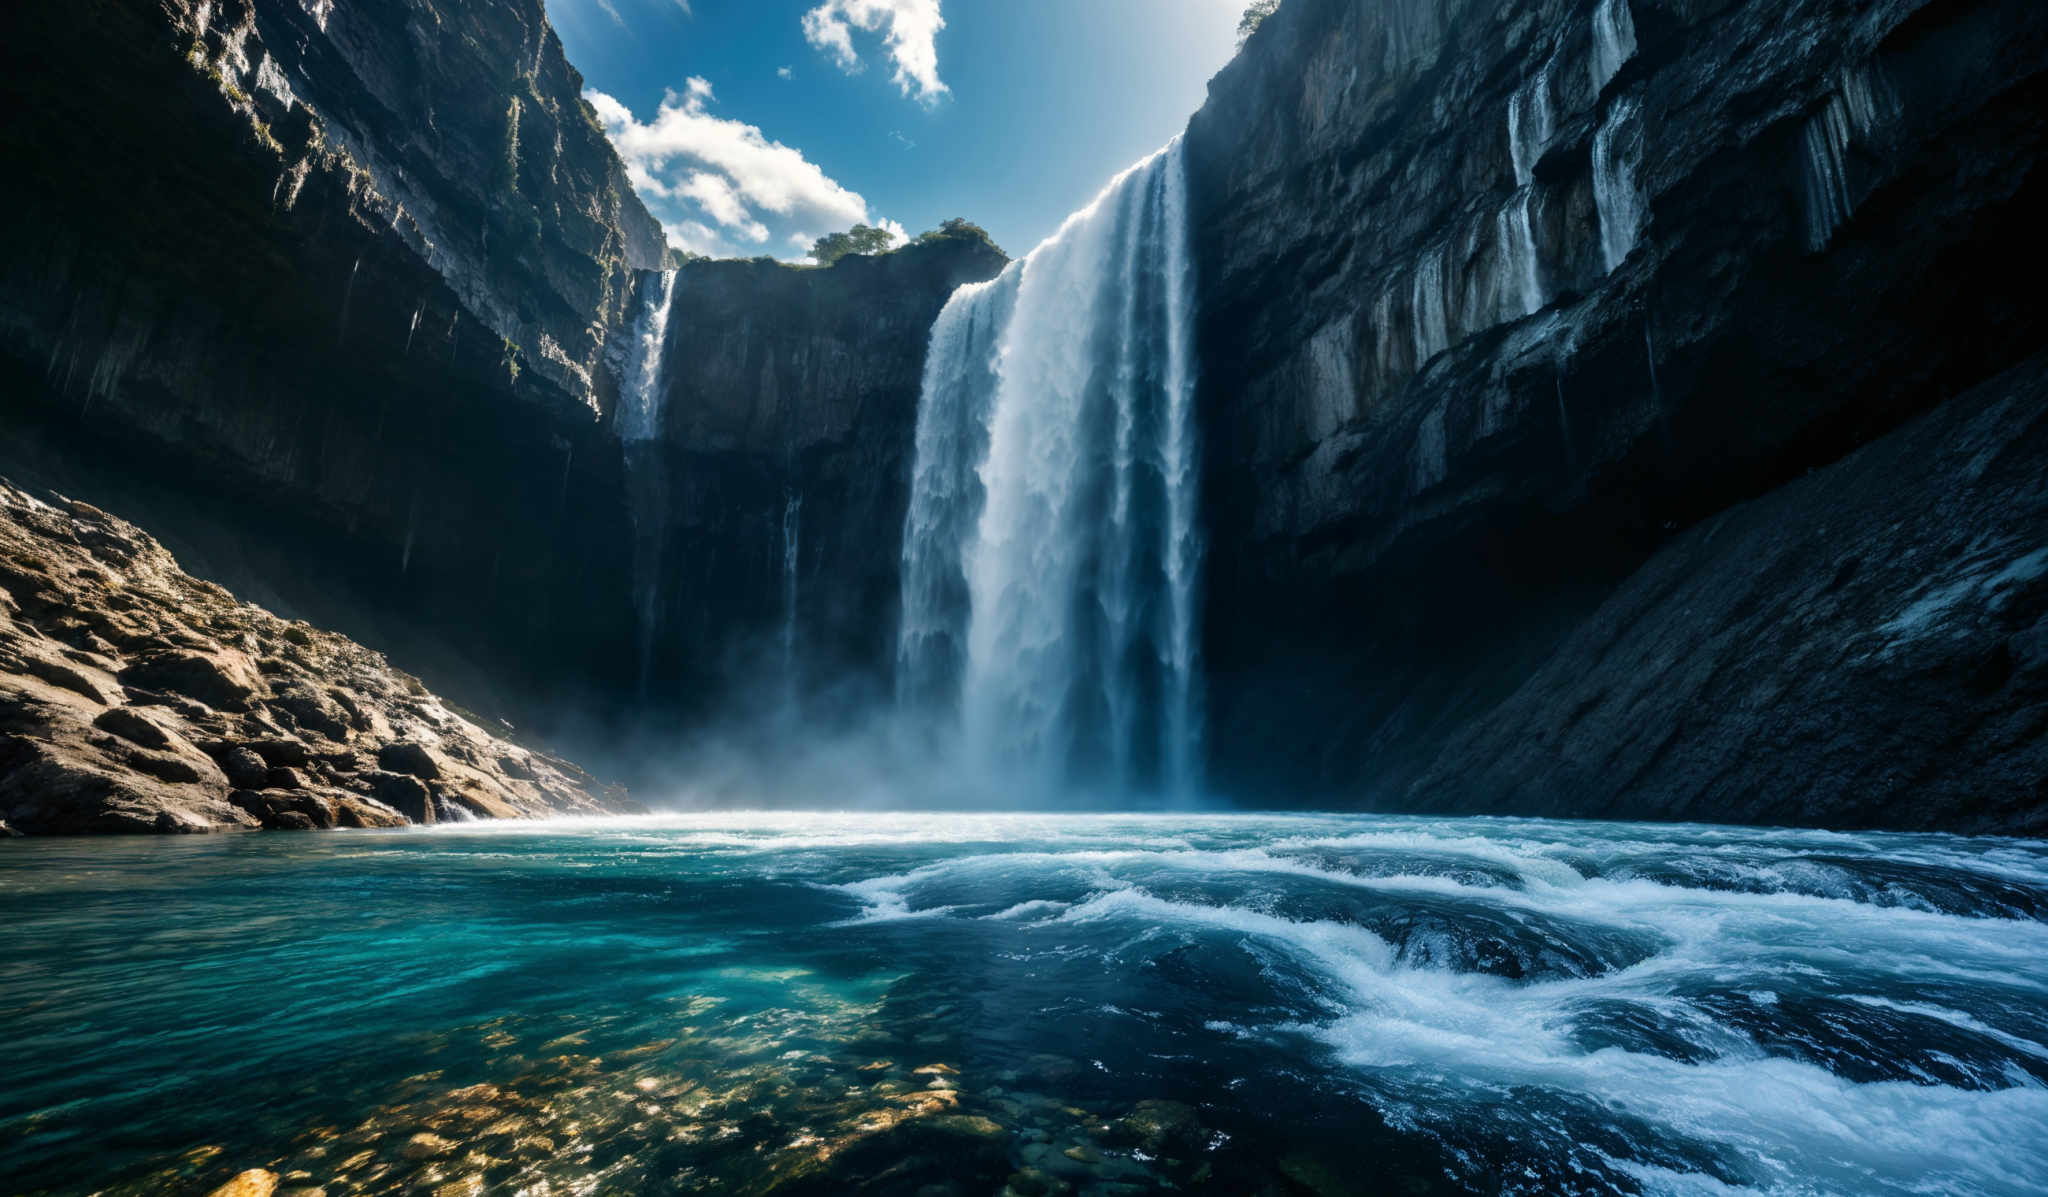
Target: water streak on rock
point(1617, 192)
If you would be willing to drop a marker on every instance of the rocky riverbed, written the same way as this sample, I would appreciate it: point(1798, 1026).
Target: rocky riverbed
point(136, 698)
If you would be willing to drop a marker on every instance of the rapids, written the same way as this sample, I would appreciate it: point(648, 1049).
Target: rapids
point(1222, 1003)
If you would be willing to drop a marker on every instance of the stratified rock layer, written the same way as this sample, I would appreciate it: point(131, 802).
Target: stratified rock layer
point(1867, 646)
point(134, 697)
point(790, 414)
point(1501, 298)
point(329, 287)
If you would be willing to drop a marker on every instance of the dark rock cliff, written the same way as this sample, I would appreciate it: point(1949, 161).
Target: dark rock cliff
point(788, 419)
point(1763, 234)
point(326, 289)
point(334, 297)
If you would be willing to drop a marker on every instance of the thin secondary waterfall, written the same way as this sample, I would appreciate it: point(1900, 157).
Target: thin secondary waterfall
point(1529, 126)
point(792, 533)
point(1529, 132)
point(1050, 555)
point(639, 426)
point(1614, 40)
point(1617, 193)
point(1857, 111)
point(640, 413)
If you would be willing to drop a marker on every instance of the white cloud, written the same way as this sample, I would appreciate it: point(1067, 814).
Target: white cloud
point(719, 186)
point(909, 29)
point(785, 73)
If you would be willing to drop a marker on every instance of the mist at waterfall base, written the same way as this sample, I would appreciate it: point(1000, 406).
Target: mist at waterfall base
point(1050, 553)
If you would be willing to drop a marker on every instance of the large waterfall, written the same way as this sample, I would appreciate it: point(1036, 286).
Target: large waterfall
point(1050, 556)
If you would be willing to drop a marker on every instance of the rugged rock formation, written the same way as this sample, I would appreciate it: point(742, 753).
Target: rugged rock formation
point(1865, 646)
point(334, 297)
point(338, 279)
point(788, 416)
point(1503, 297)
point(134, 697)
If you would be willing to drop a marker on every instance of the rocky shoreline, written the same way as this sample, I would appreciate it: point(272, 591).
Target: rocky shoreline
point(137, 698)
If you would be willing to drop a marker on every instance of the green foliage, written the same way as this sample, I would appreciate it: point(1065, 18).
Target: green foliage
point(679, 258)
point(861, 239)
point(1255, 14)
point(958, 229)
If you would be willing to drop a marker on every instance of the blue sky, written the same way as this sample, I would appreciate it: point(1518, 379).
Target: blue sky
point(751, 125)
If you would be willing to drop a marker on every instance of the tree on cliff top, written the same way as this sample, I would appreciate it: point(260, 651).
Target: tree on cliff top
point(861, 239)
point(1255, 15)
point(959, 229)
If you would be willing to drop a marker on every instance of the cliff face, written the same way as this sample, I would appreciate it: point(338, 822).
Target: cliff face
point(774, 492)
point(1502, 298)
point(339, 298)
point(335, 283)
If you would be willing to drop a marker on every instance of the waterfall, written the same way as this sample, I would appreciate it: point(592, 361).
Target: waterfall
point(1050, 554)
point(1859, 108)
point(1614, 40)
point(1521, 287)
point(1617, 156)
point(639, 427)
point(640, 410)
point(1827, 178)
point(1429, 305)
point(1529, 126)
point(792, 531)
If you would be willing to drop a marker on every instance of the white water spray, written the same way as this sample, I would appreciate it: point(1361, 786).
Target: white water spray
point(1050, 555)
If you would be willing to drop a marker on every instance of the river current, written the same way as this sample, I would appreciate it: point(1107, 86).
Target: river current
point(1243, 1004)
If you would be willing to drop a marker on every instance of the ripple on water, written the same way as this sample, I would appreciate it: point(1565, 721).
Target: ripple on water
point(1038, 1004)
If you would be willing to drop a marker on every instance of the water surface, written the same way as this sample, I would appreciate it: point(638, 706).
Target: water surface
point(795, 1003)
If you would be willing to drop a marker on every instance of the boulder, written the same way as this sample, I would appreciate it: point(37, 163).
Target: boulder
point(245, 769)
point(134, 727)
point(408, 796)
point(411, 758)
point(281, 753)
point(256, 1182)
point(311, 710)
point(225, 679)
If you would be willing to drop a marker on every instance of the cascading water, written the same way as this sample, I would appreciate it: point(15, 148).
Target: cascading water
point(1827, 181)
point(1432, 321)
point(1050, 555)
point(639, 426)
point(1862, 104)
point(1614, 40)
point(1617, 156)
point(1529, 132)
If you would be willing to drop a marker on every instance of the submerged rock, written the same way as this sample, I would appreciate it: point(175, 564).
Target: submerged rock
point(256, 1182)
